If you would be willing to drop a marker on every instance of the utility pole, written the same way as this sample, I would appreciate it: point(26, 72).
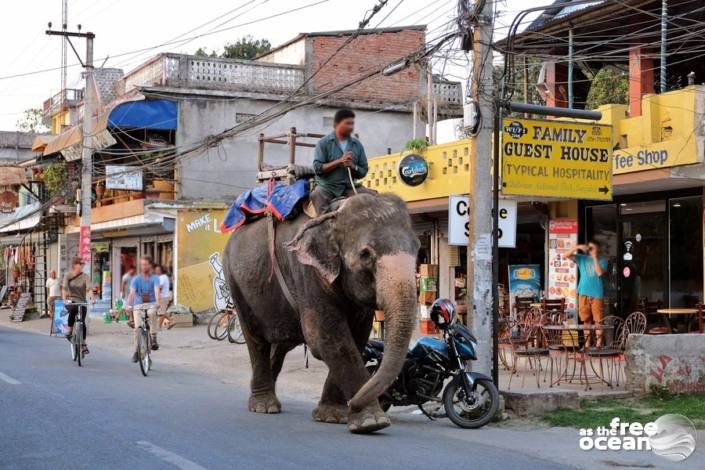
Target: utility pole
point(87, 141)
point(480, 244)
point(664, 39)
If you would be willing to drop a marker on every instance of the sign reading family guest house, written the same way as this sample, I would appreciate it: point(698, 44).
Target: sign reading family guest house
point(556, 159)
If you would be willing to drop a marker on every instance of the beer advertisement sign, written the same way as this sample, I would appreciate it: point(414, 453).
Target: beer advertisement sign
point(556, 159)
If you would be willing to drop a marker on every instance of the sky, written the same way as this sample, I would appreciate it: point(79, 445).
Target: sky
point(125, 26)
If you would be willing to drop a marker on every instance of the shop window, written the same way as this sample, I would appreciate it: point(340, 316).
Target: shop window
point(686, 251)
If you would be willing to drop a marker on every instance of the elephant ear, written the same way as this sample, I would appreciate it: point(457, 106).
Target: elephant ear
point(313, 246)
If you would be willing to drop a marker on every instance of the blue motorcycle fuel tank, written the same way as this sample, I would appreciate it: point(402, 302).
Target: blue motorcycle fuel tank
point(427, 345)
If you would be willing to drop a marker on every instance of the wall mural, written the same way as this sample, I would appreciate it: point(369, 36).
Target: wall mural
point(200, 280)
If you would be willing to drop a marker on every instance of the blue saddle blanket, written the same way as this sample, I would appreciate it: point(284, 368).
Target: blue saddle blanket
point(276, 198)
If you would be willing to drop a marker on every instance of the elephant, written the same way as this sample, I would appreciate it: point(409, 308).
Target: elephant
point(339, 267)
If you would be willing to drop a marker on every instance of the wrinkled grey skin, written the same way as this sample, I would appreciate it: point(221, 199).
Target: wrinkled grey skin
point(339, 268)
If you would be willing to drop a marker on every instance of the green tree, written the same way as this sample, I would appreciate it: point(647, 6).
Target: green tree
point(609, 86)
point(31, 121)
point(201, 51)
point(246, 48)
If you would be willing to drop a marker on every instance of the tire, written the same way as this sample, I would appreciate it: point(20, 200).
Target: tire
point(235, 334)
point(220, 331)
point(454, 398)
point(215, 319)
point(143, 352)
point(78, 343)
point(74, 355)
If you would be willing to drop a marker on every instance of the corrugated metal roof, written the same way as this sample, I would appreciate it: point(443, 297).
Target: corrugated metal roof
point(563, 9)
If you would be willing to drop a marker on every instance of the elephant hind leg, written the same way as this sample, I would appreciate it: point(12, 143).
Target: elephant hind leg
point(262, 398)
point(279, 352)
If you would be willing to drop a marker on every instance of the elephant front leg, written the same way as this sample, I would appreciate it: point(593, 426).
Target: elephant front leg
point(329, 334)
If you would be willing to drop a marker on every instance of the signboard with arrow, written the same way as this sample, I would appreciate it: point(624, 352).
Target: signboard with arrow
point(556, 159)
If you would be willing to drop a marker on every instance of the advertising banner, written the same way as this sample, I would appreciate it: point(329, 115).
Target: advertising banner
point(524, 281)
point(562, 272)
point(200, 280)
point(556, 159)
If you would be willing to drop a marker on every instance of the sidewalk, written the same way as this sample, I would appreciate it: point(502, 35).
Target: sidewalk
point(191, 347)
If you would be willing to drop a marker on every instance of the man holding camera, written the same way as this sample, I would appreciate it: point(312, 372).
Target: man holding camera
point(591, 267)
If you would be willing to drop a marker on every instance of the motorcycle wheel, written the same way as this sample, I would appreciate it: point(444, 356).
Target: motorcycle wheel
point(383, 403)
point(474, 412)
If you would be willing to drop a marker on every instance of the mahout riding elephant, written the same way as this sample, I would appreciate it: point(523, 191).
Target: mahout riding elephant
point(339, 267)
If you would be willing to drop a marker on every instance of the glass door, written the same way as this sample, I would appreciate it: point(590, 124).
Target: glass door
point(643, 254)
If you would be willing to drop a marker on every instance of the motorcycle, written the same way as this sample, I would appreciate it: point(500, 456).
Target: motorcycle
point(434, 372)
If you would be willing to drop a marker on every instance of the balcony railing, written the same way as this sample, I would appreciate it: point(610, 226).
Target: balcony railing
point(209, 72)
point(65, 98)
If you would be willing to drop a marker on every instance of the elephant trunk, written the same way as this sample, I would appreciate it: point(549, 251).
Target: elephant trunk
point(396, 295)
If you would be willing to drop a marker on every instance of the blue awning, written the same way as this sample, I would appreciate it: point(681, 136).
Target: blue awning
point(146, 114)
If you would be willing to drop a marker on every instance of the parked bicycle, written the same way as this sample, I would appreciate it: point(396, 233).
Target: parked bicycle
point(144, 338)
point(226, 324)
point(78, 340)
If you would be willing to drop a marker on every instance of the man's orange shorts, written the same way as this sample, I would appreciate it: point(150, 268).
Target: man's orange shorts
point(590, 309)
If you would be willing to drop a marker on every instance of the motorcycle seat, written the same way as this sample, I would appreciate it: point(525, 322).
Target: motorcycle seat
point(376, 344)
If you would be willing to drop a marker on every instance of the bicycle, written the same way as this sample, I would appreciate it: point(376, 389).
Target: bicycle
point(235, 334)
point(77, 338)
point(144, 338)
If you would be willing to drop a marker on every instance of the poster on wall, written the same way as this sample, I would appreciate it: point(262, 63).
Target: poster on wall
point(200, 280)
point(562, 272)
point(524, 281)
point(61, 318)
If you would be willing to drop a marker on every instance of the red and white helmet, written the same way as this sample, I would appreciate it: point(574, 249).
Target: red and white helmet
point(442, 313)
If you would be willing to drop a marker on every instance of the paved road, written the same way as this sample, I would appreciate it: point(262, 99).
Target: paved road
point(106, 415)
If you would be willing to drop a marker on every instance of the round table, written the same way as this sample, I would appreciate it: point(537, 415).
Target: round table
point(580, 356)
point(667, 312)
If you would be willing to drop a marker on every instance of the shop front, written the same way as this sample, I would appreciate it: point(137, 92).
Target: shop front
point(654, 245)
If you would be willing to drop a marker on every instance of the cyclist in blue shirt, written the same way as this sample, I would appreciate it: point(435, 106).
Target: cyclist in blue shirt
point(144, 289)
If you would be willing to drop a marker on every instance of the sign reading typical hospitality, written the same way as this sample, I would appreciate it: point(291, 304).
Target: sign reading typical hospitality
point(458, 221)
point(556, 159)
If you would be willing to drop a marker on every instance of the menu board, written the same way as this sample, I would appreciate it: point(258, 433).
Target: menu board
point(562, 272)
point(524, 281)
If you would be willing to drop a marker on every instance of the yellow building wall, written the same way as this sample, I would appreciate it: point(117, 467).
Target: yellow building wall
point(665, 135)
point(449, 168)
point(60, 119)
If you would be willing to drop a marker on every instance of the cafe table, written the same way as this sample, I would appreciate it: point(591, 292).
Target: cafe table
point(688, 313)
point(572, 350)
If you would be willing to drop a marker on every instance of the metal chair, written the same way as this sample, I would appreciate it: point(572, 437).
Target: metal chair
point(699, 319)
point(655, 321)
point(553, 310)
point(528, 345)
point(612, 350)
point(522, 306)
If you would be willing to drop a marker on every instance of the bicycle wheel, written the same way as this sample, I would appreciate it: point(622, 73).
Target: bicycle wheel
point(235, 334)
point(221, 328)
point(74, 351)
point(215, 319)
point(78, 342)
point(143, 351)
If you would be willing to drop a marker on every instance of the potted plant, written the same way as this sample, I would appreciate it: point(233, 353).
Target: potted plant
point(54, 177)
point(418, 145)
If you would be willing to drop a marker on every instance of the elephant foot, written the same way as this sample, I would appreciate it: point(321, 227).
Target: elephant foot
point(266, 403)
point(331, 413)
point(369, 420)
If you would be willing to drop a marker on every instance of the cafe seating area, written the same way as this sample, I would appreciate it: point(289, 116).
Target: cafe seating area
point(540, 346)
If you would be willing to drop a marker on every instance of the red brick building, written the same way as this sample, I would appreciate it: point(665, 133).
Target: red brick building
point(370, 49)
